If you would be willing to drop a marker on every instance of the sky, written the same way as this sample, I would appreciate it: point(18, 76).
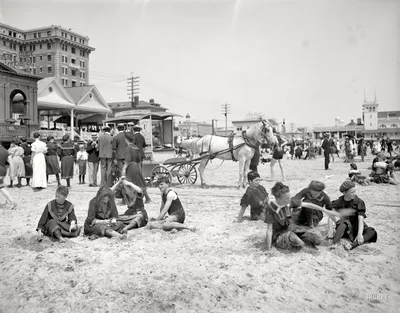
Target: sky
point(303, 61)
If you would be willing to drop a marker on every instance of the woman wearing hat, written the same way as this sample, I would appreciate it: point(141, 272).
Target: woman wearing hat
point(67, 155)
point(17, 167)
point(52, 164)
point(39, 148)
point(352, 227)
point(131, 168)
point(313, 194)
point(27, 159)
point(255, 196)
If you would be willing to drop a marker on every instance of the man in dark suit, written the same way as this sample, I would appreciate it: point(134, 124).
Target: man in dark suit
point(118, 146)
point(105, 153)
point(327, 150)
point(139, 140)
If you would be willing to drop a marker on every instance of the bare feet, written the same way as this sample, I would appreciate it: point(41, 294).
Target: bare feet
point(148, 201)
point(123, 236)
point(192, 228)
point(62, 240)
point(347, 246)
point(13, 206)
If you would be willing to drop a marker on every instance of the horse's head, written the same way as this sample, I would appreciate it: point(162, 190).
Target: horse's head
point(267, 132)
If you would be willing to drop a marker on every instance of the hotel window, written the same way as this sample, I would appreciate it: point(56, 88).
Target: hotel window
point(62, 79)
point(82, 84)
point(73, 72)
point(49, 69)
point(34, 59)
point(40, 46)
point(14, 47)
point(49, 33)
point(39, 35)
point(73, 50)
point(83, 75)
point(73, 61)
point(73, 83)
point(41, 58)
point(83, 64)
point(40, 69)
point(48, 46)
point(24, 48)
point(382, 126)
point(66, 83)
point(393, 126)
point(4, 43)
point(66, 59)
point(34, 35)
point(49, 58)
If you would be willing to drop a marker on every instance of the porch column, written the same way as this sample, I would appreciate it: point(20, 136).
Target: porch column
point(72, 124)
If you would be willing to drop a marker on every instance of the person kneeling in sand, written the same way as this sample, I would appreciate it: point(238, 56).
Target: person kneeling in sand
point(352, 227)
point(278, 215)
point(255, 196)
point(58, 219)
point(313, 194)
point(135, 216)
point(170, 204)
point(102, 216)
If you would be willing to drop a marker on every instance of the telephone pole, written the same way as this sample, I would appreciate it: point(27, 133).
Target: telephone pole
point(225, 111)
point(133, 89)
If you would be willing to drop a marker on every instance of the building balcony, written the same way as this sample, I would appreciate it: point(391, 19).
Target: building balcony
point(74, 65)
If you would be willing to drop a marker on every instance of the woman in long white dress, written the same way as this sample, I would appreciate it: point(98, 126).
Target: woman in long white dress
point(39, 148)
point(17, 166)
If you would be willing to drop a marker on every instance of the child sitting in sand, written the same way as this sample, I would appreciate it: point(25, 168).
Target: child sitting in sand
point(102, 216)
point(313, 194)
point(352, 227)
point(355, 176)
point(58, 219)
point(255, 196)
point(382, 171)
point(278, 216)
point(170, 204)
point(136, 215)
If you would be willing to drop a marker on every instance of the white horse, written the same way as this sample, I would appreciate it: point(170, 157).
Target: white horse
point(240, 149)
point(190, 145)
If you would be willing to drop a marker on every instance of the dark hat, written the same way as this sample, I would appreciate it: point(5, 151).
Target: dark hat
point(23, 139)
point(346, 186)
point(65, 137)
point(50, 138)
point(316, 185)
point(353, 166)
point(81, 141)
point(106, 128)
point(252, 175)
point(129, 136)
point(326, 134)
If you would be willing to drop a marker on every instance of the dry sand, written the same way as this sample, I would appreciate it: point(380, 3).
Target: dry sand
point(219, 268)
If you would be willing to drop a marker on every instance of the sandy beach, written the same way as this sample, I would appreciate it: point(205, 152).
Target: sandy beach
point(221, 267)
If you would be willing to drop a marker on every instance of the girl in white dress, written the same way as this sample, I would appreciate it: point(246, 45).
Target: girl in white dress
point(39, 148)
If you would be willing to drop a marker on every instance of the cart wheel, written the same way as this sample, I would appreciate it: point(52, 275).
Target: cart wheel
point(160, 171)
point(187, 174)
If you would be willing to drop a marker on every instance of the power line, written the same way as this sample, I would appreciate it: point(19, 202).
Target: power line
point(225, 111)
point(133, 90)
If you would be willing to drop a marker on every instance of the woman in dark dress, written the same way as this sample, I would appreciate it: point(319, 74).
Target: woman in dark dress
point(67, 154)
point(27, 159)
point(352, 227)
point(135, 216)
point(255, 196)
point(278, 154)
point(52, 165)
point(102, 216)
point(131, 168)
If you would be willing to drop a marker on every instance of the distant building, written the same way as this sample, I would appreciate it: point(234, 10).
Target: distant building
point(380, 124)
point(339, 131)
point(189, 128)
point(241, 125)
point(51, 51)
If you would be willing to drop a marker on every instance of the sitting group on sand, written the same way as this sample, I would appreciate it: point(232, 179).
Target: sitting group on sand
point(285, 214)
point(59, 220)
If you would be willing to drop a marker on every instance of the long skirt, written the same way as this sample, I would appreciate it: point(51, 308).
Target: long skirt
point(134, 173)
point(52, 165)
point(28, 166)
point(82, 167)
point(39, 179)
point(67, 167)
point(52, 225)
point(100, 229)
point(17, 167)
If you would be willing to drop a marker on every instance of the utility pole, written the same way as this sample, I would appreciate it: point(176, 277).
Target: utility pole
point(225, 111)
point(133, 88)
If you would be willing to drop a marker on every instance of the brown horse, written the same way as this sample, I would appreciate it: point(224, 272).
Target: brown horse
point(241, 148)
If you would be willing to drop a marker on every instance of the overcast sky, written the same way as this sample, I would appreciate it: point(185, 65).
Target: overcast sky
point(302, 60)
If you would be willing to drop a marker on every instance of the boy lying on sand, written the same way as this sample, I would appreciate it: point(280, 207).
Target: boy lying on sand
point(58, 219)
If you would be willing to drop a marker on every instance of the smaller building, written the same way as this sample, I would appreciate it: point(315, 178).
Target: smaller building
point(189, 128)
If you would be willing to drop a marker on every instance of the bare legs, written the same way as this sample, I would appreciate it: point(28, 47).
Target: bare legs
point(112, 233)
point(8, 197)
point(169, 226)
point(272, 168)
